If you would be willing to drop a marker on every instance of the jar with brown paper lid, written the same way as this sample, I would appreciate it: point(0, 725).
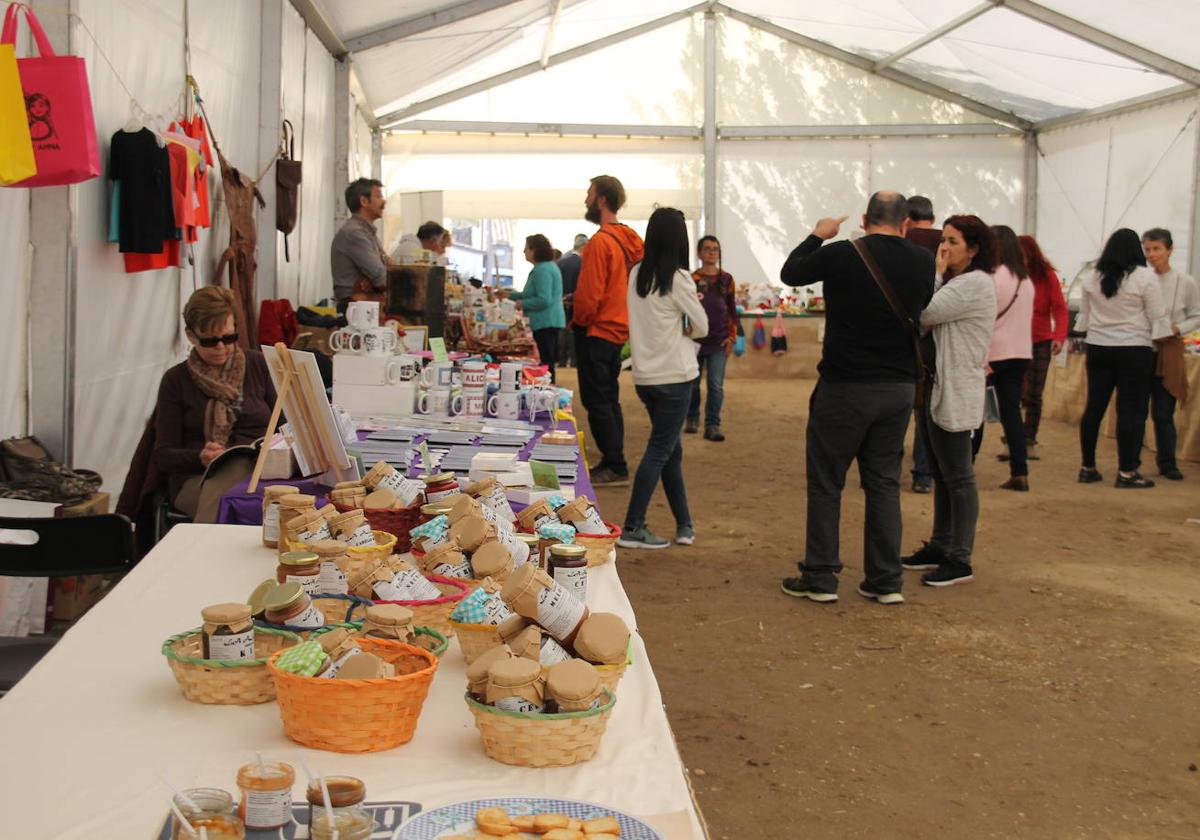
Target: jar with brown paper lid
point(490, 493)
point(388, 621)
point(440, 487)
point(516, 685)
point(460, 506)
point(471, 532)
point(534, 594)
point(583, 515)
point(271, 508)
point(477, 671)
point(291, 506)
point(534, 643)
point(366, 666)
point(351, 528)
point(348, 485)
point(305, 527)
point(333, 578)
point(303, 567)
point(289, 604)
point(330, 513)
point(339, 644)
point(382, 499)
point(567, 564)
point(508, 538)
point(447, 560)
point(383, 476)
point(574, 686)
point(603, 639)
point(492, 560)
point(511, 627)
point(375, 581)
point(536, 515)
point(228, 632)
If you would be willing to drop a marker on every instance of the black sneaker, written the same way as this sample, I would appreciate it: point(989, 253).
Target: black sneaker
point(798, 587)
point(948, 574)
point(926, 557)
point(691, 426)
point(922, 485)
point(605, 476)
point(713, 433)
point(889, 598)
point(1089, 475)
point(1133, 481)
point(1171, 474)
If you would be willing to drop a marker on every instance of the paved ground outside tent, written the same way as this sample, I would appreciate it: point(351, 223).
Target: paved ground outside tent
point(1054, 697)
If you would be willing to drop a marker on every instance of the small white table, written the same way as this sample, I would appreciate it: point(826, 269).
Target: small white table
point(88, 733)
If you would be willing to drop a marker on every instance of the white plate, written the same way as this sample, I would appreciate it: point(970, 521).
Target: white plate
point(460, 817)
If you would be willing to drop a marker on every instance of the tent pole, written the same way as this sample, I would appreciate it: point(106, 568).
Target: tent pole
point(342, 104)
point(1194, 245)
point(377, 155)
point(270, 120)
point(710, 122)
point(1031, 183)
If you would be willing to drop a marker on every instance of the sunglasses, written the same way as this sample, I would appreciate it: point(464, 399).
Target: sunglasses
point(213, 341)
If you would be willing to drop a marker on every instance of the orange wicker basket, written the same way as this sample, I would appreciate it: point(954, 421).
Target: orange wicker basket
point(356, 716)
point(396, 522)
point(435, 612)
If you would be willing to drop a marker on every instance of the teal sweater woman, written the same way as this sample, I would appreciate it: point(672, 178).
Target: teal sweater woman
point(542, 299)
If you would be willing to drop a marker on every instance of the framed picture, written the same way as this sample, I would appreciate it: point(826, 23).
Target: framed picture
point(416, 338)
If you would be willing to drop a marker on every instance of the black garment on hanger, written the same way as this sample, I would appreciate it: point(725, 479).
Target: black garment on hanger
point(143, 168)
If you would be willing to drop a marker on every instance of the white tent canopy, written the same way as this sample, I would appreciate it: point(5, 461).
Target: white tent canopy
point(1063, 118)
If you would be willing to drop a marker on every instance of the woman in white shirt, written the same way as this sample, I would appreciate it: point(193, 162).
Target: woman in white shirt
point(1122, 312)
point(665, 316)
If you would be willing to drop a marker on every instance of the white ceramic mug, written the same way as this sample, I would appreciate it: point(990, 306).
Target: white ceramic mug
point(346, 340)
point(363, 314)
point(474, 375)
point(439, 401)
point(510, 376)
point(438, 375)
point(505, 405)
point(403, 368)
point(380, 341)
point(473, 403)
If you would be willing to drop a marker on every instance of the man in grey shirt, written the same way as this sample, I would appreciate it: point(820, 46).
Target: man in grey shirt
point(356, 259)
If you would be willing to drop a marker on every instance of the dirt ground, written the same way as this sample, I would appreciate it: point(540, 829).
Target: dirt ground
point(1056, 696)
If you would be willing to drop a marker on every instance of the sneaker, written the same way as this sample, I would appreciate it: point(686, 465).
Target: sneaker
point(691, 426)
point(713, 433)
point(798, 587)
point(640, 538)
point(685, 535)
point(607, 477)
point(922, 485)
point(1171, 474)
point(1133, 481)
point(882, 597)
point(1089, 475)
point(928, 556)
point(948, 574)
point(1019, 483)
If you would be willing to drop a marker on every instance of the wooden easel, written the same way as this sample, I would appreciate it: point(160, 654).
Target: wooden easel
point(312, 435)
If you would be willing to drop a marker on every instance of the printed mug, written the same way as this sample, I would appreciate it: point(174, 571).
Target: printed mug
point(380, 341)
point(363, 314)
point(510, 376)
point(346, 340)
point(438, 375)
point(403, 368)
point(439, 402)
point(473, 403)
point(506, 405)
point(474, 375)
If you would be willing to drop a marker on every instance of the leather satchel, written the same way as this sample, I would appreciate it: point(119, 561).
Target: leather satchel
point(288, 176)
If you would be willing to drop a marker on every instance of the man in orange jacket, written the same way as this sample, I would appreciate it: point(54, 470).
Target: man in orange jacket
point(601, 324)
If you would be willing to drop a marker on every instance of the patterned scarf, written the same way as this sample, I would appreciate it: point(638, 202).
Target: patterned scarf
point(223, 387)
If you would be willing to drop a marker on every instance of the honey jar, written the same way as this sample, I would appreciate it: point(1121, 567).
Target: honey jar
point(440, 487)
point(537, 596)
point(270, 522)
point(567, 564)
point(516, 685)
point(302, 567)
point(266, 801)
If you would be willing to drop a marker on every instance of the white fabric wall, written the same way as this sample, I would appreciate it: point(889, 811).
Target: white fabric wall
point(295, 36)
point(1090, 176)
point(360, 144)
point(14, 312)
point(320, 196)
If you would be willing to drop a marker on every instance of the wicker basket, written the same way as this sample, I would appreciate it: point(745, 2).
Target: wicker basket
point(240, 683)
point(362, 555)
point(599, 549)
point(335, 608)
point(435, 613)
point(441, 642)
point(475, 639)
point(395, 522)
point(540, 740)
point(610, 675)
point(356, 716)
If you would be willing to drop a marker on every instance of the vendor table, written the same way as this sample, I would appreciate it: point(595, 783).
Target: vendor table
point(90, 732)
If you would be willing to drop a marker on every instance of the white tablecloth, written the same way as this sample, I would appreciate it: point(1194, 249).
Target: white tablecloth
point(87, 735)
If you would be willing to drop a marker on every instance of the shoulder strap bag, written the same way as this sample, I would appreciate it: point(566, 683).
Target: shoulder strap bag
point(288, 175)
point(899, 310)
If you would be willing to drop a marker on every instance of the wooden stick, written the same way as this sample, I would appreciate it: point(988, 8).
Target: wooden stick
point(271, 424)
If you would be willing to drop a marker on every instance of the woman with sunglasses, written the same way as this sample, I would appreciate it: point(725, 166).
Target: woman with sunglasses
point(221, 396)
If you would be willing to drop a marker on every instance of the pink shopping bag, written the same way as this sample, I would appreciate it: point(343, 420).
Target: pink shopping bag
point(58, 104)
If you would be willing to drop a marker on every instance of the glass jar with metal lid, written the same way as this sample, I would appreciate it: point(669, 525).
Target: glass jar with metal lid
point(302, 567)
point(228, 632)
point(210, 809)
point(258, 598)
point(289, 604)
point(432, 511)
point(567, 564)
point(440, 487)
point(531, 542)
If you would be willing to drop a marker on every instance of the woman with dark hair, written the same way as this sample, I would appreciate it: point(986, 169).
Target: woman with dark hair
point(1049, 333)
point(716, 289)
point(1122, 312)
point(542, 299)
point(1012, 348)
point(665, 315)
point(960, 318)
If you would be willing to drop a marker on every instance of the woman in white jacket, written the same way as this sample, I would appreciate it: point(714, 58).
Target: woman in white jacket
point(960, 318)
point(665, 316)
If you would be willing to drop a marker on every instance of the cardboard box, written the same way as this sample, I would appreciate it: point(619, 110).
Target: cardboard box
point(71, 597)
point(95, 506)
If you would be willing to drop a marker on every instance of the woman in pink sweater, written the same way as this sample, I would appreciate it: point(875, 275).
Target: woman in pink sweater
point(1012, 348)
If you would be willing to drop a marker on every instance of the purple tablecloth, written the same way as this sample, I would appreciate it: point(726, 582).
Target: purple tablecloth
point(240, 507)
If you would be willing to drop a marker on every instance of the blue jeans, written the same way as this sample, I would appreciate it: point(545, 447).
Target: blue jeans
point(714, 363)
point(920, 468)
point(668, 407)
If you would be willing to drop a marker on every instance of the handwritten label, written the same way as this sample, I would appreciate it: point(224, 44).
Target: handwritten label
point(438, 346)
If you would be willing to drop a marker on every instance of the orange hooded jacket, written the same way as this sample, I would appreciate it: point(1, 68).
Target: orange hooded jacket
point(600, 304)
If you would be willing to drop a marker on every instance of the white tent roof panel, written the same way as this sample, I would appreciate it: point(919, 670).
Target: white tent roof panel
point(1167, 26)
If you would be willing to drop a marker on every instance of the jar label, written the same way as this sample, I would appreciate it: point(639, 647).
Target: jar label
point(271, 522)
point(438, 495)
point(545, 519)
point(517, 548)
point(440, 538)
point(334, 667)
point(405, 489)
point(332, 580)
point(233, 647)
point(268, 808)
point(362, 537)
point(517, 704)
point(489, 514)
point(415, 586)
point(386, 590)
point(311, 617)
point(497, 501)
point(559, 612)
point(552, 652)
point(591, 523)
point(495, 611)
point(462, 570)
point(315, 532)
point(310, 583)
point(574, 580)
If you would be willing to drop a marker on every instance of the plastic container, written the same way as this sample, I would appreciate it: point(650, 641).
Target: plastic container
point(266, 789)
